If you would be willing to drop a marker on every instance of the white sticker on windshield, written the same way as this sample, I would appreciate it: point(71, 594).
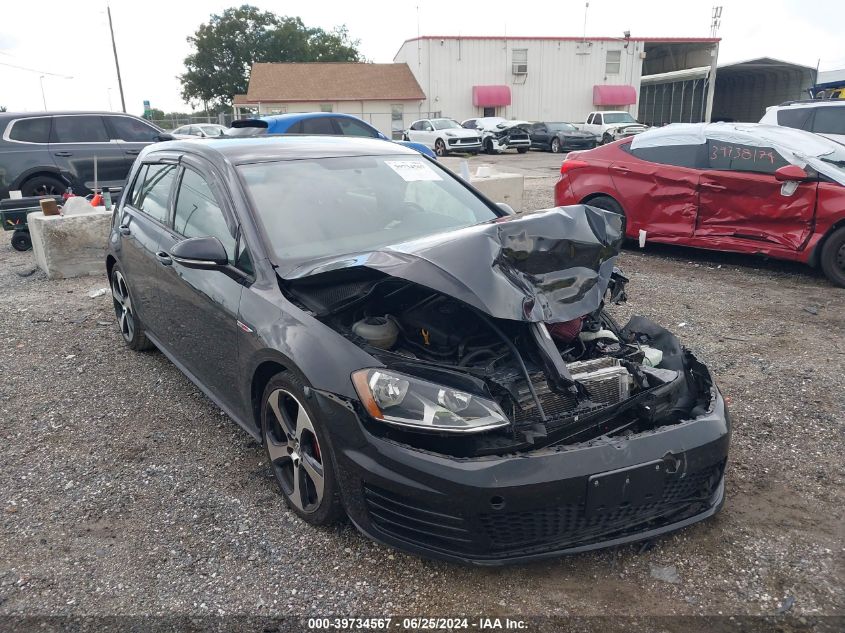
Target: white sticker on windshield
point(412, 170)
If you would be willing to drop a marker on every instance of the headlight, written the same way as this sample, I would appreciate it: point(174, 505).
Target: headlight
point(418, 404)
point(450, 134)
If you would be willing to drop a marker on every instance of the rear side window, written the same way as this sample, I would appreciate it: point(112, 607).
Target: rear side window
point(35, 130)
point(132, 130)
point(691, 156)
point(320, 125)
point(829, 120)
point(351, 127)
point(198, 214)
point(79, 129)
point(795, 117)
point(151, 192)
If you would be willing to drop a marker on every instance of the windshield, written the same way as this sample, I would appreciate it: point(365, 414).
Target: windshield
point(619, 117)
point(334, 206)
point(561, 127)
point(212, 130)
point(445, 124)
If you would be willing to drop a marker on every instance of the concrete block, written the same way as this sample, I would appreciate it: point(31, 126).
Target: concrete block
point(72, 245)
point(508, 188)
point(496, 185)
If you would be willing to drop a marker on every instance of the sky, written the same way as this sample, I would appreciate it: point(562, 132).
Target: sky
point(65, 48)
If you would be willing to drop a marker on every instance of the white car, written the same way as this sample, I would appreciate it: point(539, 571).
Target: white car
point(826, 118)
point(611, 125)
point(498, 133)
point(200, 130)
point(444, 136)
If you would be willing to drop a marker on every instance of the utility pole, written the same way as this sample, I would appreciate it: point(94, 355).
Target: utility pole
point(43, 98)
point(116, 63)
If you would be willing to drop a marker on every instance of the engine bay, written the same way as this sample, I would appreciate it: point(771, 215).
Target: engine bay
point(558, 383)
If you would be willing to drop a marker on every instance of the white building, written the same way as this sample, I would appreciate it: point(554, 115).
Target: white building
point(545, 78)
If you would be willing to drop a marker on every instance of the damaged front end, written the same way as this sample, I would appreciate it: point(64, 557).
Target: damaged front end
point(495, 353)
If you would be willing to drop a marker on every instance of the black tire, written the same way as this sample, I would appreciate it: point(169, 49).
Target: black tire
point(440, 148)
point(488, 147)
point(522, 150)
point(21, 241)
point(43, 186)
point(554, 146)
point(131, 328)
point(606, 138)
point(299, 453)
point(832, 258)
point(607, 203)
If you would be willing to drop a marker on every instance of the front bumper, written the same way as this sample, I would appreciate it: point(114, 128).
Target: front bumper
point(511, 143)
point(464, 144)
point(505, 509)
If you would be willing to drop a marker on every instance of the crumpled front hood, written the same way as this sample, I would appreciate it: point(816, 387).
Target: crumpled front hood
point(551, 266)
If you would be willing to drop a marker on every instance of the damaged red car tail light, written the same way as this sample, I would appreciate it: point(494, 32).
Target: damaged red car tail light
point(569, 165)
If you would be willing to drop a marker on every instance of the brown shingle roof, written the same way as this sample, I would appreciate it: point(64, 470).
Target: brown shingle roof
point(332, 81)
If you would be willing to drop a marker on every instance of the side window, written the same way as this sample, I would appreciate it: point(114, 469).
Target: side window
point(351, 127)
point(597, 119)
point(132, 130)
point(319, 125)
point(296, 128)
point(829, 120)
point(794, 117)
point(198, 214)
point(35, 130)
point(244, 261)
point(152, 190)
point(416, 126)
point(470, 124)
point(426, 126)
point(691, 156)
point(736, 157)
point(590, 119)
point(79, 129)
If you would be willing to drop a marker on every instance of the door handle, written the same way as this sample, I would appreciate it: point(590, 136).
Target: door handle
point(124, 229)
point(134, 152)
point(621, 170)
point(163, 258)
point(714, 187)
point(64, 154)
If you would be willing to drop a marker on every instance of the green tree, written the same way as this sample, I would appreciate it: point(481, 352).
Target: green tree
point(225, 47)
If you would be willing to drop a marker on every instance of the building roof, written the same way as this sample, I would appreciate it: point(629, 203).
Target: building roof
point(679, 40)
point(330, 81)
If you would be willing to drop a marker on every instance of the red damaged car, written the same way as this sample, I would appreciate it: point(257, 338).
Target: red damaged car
point(738, 187)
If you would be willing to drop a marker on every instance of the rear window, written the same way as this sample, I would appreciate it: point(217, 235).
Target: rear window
point(79, 129)
point(35, 130)
point(794, 117)
point(692, 156)
point(829, 120)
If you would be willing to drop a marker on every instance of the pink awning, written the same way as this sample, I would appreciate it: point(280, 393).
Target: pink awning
point(614, 95)
point(491, 96)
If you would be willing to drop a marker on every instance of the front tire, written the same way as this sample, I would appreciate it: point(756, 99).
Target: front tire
point(555, 145)
point(606, 138)
point(522, 150)
point(832, 258)
point(488, 147)
point(440, 148)
point(130, 325)
point(299, 451)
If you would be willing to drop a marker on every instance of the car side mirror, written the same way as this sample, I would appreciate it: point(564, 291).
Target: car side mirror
point(504, 206)
point(382, 137)
point(164, 136)
point(200, 252)
point(791, 173)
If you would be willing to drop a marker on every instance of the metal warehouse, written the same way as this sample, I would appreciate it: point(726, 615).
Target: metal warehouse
point(546, 78)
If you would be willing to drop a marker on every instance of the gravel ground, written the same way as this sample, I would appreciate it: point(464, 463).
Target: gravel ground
point(125, 491)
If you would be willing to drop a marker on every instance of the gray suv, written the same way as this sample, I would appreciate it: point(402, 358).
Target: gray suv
point(44, 153)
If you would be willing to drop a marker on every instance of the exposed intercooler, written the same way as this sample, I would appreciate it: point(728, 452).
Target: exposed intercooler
point(605, 379)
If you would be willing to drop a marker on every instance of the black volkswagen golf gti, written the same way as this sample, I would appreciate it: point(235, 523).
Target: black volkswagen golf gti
point(411, 355)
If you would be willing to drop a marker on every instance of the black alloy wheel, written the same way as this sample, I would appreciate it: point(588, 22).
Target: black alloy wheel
point(299, 452)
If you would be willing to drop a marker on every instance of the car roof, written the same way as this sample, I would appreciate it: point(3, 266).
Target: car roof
point(792, 139)
point(253, 149)
point(20, 115)
point(812, 102)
